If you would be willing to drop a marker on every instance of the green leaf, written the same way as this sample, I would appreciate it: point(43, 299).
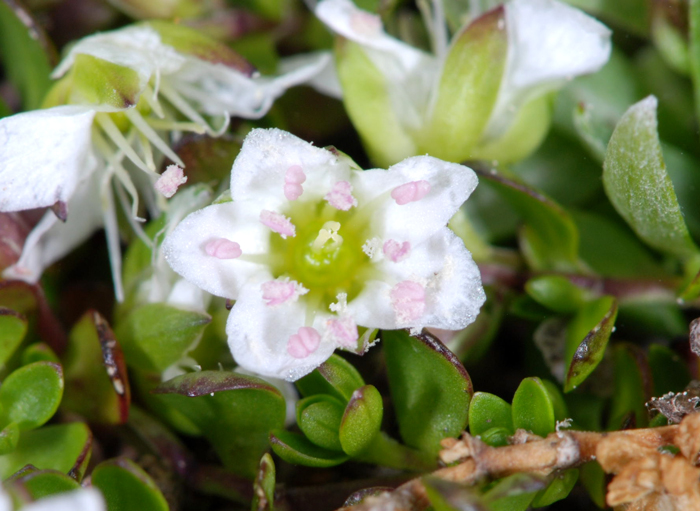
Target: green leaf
point(426, 381)
point(514, 493)
point(632, 386)
point(468, 88)
point(319, 418)
point(97, 384)
point(296, 449)
point(532, 408)
point(361, 420)
point(450, 496)
point(549, 238)
point(496, 437)
point(694, 47)
point(220, 403)
point(42, 483)
point(487, 411)
point(594, 323)
point(26, 53)
point(637, 184)
point(9, 437)
point(336, 377)
point(556, 293)
point(64, 447)
point(669, 371)
point(39, 352)
point(264, 485)
point(30, 395)
point(558, 404)
point(13, 328)
point(125, 486)
point(155, 336)
point(593, 480)
point(558, 489)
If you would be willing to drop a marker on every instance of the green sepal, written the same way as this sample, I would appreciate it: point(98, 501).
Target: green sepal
point(319, 418)
point(97, 81)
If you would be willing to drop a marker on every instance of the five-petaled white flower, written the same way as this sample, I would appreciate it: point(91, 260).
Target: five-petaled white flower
point(481, 95)
point(311, 247)
point(121, 95)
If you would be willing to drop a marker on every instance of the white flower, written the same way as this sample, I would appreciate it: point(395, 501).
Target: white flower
point(126, 90)
point(460, 101)
point(84, 499)
point(290, 249)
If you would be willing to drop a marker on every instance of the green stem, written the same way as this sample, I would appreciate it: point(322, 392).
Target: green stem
point(387, 452)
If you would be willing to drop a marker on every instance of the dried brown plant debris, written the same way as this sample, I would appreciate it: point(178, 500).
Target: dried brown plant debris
point(648, 475)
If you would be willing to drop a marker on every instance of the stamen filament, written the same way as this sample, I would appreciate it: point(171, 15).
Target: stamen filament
point(152, 100)
point(111, 130)
point(152, 136)
point(165, 125)
point(147, 151)
point(178, 102)
point(112, 235)
point(124, 202)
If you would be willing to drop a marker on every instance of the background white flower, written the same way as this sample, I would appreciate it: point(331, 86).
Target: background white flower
point(311, 247)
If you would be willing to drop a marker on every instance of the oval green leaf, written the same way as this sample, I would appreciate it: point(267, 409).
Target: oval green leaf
point(30, 395)
point(13, 328)
point(296, 449)
point(320, 422)
point(429, 382)
point(532, 408)
point(558, 489)
point(125, 486)
point(556, 293)
point(42, 483)
point(487, 411)
point(361, 420)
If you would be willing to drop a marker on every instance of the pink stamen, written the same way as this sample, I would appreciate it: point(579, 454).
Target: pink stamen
point(408, 301)
point(222, 248)
point(275, 292)
point(397, 251)
point(293, 179)
point(343, 331)
point(278, 223)
point(410, 192)
point(169, 181)
point(340, 196)
point(304, 342)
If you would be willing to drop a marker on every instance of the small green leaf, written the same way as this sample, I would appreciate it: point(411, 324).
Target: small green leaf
point(126, 487)
point(668, 370)
point(594, 323)
point(26, 53)
point(632, 386)
point(39, 352)
point(694, 47)
point(514, 493)
point(97, 385)
point(558, 403)
point(558, 489)
point(637, 184)
point(219, 403)
point(30, 395)
point(549, 237)
point(296, 449)
point(264, 485)
point(42, 483)
point(496, 437)
point(426, 381)
point(155, 336)
point(13, 328)
point(532, 408)
point(8, 438)
point(336, 377)
point(361, 420)
point(488, 411)
point(319, 418)
point(64, 447)
point(468, 88)
point(556, 293)
point(593, 480)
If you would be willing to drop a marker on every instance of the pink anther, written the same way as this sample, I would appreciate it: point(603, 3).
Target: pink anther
point(365, 23)
point(222, 248)
point(169, 181)
point(278, 223)
point(340, 196)
point(304, 342)
point(410, 192)
point(293, 179)
point(408, 301)
point(275, 292)
point(343, 331)
point(397, 251)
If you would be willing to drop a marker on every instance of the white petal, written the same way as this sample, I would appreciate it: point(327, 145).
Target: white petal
point(136, 47)
point(258, 174)
point(445, 268)
point(410, 73)
point(258, 335)
point(324, 78)
point(186, 295)
point(184, 247)
point(44, 154)
point(548, 43)
point(52, 239)
point(84, 499)
point(450, 185)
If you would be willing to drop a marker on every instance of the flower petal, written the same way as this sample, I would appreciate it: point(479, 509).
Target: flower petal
point(258, 336)
point(450, 185)
point(549, 43)
point(258, 174)
point(447, 272)
point(51, 149)
point(184, 248)
point(52, 239)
